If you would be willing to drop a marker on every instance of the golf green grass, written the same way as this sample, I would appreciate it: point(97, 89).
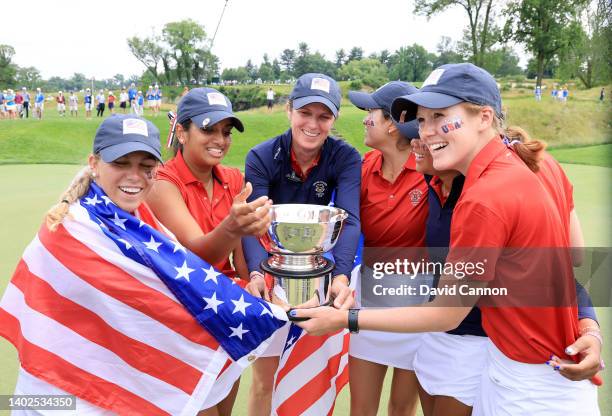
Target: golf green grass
point(29, 190)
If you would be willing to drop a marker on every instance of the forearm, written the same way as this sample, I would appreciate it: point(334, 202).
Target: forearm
point(214, 246)
point(254, 253)
point(412, 319)
point(346, 247)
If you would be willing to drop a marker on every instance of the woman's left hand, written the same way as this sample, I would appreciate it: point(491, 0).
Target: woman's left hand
point(341, 293)
point(323, 319)
point(589, 349)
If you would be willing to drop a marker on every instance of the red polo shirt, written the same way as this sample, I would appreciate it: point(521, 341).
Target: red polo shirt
point(392, 214)
point(298, 170)
point(504, 205)
point(208, 213)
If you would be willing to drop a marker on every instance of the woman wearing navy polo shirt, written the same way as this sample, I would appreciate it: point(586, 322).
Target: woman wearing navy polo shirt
point(503, 204)
point(304, 165)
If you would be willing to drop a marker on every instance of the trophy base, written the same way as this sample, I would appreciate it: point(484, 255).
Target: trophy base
point(326, 268)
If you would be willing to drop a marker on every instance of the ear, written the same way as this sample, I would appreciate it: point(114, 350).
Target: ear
point(487, 117)
point(181, 133)
point(93, 161)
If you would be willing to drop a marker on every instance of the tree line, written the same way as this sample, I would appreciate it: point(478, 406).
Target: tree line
point(566, 39)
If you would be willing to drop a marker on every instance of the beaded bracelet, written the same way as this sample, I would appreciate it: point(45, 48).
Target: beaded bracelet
point(596, 334)
point(589, 328)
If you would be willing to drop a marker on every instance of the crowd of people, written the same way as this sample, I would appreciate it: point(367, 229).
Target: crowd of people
point(443, 173)
point(16, 104)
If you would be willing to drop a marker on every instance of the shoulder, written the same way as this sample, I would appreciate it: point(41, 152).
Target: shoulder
point(268, 150)
point(233, 178)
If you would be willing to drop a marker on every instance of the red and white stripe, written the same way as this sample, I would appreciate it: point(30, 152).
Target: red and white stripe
point(98, 325)
point(311, 374)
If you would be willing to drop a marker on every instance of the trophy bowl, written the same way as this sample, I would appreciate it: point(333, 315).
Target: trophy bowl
point(297, 239)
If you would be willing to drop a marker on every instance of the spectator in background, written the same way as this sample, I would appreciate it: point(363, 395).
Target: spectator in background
point(101, 103)
point(150, 98)
point(111, 102)
point(39, 104)
point(26, 103)
point(270, 98)
point(88, 103)
point(564, 94)
point(185, 91)
point(538, 93)
point(9, 104)
point(2, 106)
point(157, 95)
point(602, 95)
point(61, 104)
point(139, 104)
point(132, 92)
point(18, 103)
point(553, 93)
point(73, 102)
point(123, 98)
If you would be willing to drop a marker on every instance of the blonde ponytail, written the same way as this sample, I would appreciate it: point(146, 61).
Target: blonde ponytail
point(78, 188)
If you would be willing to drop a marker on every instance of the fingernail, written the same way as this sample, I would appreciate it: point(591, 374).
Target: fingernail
point(547, 362)
point(292, 313)
point(557, 368)
point(551, 356)
point(569, 350)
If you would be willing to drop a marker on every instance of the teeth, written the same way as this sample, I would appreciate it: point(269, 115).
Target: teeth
point(130, 190)
point(310, 134)
point(437, 146)
point(215, 150)
point(419, 156)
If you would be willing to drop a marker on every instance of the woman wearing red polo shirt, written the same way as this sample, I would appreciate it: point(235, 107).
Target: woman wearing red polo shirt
point(503, 205)
point(388, 181)
point(202, 202)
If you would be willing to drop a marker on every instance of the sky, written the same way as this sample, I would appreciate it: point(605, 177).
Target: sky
point(61, 37)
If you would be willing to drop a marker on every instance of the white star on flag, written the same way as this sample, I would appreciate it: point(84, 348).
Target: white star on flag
point(107, 200)
point(212, 302)
point(93, 201)
point(127, 244)
point(152, 244)
point(118, 221)
point(142, 223)
point(183, 271)
point(265, 311)
point(178, 246)
point(211, 274)
point(290, 341)
point(238, 331)
point(240, 305)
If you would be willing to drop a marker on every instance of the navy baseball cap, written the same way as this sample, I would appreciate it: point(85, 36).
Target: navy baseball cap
point(206, 107)
point(121, 134)
point(382, 98)
point(448, 85)
point(316, 88)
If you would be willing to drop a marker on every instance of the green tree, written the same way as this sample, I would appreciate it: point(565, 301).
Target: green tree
point(411, 63)
point(266, 71)
point(502, 62)
point(147, 51)
point(287, 60)
point(587, 56)
point(28, 77)
point(340, 57)
point(8, 69)
point(543, 26)
point(481, 22)
point(184, 38)
point(355, 54)
point(370, 72)
point(239, 74)
point(447, 53)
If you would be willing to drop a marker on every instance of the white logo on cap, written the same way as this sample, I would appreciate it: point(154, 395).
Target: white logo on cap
point(216, 98)
point(433, 78)
point(320, 84)
point(135, 126)
point(205, 122)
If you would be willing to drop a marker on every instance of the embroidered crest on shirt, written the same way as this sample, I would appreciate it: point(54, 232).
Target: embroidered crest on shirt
point(415, 196)
point(320, 187)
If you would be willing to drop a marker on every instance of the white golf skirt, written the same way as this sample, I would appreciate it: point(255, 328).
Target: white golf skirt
point(512, 388)
point(451, 365)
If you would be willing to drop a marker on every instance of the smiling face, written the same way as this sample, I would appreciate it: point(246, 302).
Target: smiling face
point(310, 126)
point(127, 180)
point(203, 148)
point(376, 129)
point(422, 157)
point(453, 135)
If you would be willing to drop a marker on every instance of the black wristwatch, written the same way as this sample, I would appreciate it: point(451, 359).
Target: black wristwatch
point(353, 322)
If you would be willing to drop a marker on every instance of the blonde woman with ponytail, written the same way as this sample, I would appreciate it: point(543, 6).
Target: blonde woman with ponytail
point(96, 309)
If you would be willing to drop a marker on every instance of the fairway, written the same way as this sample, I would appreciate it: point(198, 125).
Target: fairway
point(29, 190)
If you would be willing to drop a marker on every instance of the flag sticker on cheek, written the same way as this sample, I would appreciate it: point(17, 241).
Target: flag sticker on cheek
point(452, 125)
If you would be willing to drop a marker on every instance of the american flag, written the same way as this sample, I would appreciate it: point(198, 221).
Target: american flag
point(104, 309)
point(313, 369)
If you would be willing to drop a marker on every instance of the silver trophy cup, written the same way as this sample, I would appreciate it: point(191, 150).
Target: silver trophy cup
point(297, 238)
